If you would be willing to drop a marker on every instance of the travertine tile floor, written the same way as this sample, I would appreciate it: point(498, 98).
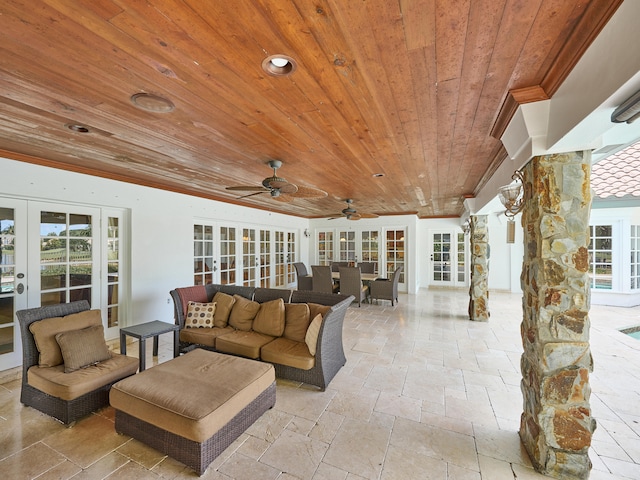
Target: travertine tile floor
point(425, 394)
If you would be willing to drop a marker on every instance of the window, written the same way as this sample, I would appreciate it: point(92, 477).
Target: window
point(600, 257)
point(114, 267)
point(635, 257)
point(325, 248)
point(227, 255)
point(369, 244)
point(203, 261)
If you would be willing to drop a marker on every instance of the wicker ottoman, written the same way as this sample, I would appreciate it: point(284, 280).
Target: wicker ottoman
point(194, 406)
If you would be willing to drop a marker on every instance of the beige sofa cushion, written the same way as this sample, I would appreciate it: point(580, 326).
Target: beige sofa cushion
point(316, 308)
point(68, 386)
point(243, 313)
point(245, 344)
point(224, 304)
point(44, 333)
point(270, 318)
point(296, 321)
point(288, 352)
point(203, 336)
point(311, 338)
point(81, 348)
point(200, 315)
point(193, 395)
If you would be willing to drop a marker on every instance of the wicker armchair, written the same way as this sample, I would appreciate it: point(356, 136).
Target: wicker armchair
point(386, 289)
point(351, 284)
point(67, 410)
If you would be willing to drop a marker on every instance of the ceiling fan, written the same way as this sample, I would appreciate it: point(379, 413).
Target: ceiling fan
point(351, 214)
point(279, 188)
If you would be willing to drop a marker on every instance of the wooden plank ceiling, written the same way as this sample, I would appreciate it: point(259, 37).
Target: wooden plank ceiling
point(416, 90)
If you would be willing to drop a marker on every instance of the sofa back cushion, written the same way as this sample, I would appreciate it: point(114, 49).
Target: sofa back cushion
point(84, 347)
point(316, 308)
point(296, 321)
point(243, 313)
point(270, 318)
point(224, 304)
point(44, 333)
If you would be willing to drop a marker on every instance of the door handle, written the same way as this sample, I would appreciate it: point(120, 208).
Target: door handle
point(20, 288)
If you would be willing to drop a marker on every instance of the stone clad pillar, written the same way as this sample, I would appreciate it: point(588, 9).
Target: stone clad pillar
point(556, 425)
point(479, 289)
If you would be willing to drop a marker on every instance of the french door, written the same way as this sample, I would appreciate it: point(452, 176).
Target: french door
point(55, 253)
point(448, 258)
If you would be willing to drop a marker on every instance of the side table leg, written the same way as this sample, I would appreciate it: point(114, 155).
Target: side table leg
point(176, 343)
point(123, 343)
point(143, 353)
point(155, 345)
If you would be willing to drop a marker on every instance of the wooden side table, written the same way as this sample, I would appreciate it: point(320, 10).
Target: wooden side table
point(143, 331)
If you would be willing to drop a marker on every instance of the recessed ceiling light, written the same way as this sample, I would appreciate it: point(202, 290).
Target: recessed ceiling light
point(279, 65)
point(377, 175)
point(152, 103)
point(75, 127)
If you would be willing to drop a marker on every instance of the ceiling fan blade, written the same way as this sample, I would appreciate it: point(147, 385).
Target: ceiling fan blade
point(368, 215)
point(354, 216)
point(308, 192)
point(288, 188)
point(252, 194)
point(247, 188)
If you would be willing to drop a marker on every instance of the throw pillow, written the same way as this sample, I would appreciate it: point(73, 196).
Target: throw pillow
point(270, 318)
point(311, 338)
point(296, 321)
point(224, 304)
point(243, 313)
point(44, 333)
point(200, 315)
point(82, 348)
point(316, 308)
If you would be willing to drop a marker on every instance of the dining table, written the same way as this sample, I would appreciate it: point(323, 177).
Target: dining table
point(366, 277)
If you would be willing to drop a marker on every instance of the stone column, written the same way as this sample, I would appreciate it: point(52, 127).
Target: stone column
point(479, 289)
point(556, 426)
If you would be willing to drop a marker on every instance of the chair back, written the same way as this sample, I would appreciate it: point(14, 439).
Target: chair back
point(367, 267)
point(335, 266)
point(395, 279)
point(322, 281)
point(301, 269)
point(351, 283)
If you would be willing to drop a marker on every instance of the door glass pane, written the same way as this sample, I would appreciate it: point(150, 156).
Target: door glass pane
point(65, 257)
point(203, 261)
point(113, 271)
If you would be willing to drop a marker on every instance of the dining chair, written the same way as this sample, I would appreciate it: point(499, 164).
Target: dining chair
point(335, 266)
point(367, 267)
point(322, 281)
point(386, 288)
point(351, 284)
point(305, 282)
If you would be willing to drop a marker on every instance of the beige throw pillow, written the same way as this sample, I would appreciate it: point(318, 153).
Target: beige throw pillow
point(82, 348)
point(270, 318)
point(296, 321)
point(200, 315)
point(243, 313)
point(224, 304)
point(44, 333)
point(311, 338)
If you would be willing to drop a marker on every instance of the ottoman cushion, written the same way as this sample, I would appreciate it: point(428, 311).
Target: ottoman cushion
point(194, 395)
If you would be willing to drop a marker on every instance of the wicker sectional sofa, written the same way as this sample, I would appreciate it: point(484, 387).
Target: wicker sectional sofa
point(278, 326)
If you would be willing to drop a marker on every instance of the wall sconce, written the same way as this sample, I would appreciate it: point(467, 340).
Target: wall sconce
point(306, 232)
point(513, 197)
point(466, 226)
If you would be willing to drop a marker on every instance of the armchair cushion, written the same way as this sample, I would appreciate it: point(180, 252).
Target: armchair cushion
point(270, 318)
point(224, 303)
point(84, 347)
point(200, 315)
point(44, 334)
point(243, 313)
point(311, 338)
point(296, 321)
